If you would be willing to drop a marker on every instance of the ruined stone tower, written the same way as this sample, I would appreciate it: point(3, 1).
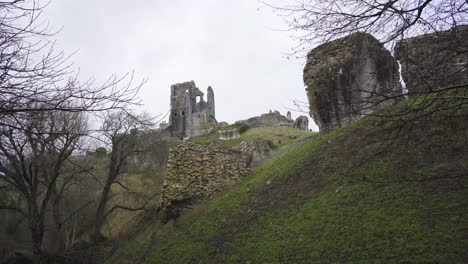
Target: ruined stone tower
point(190, 115)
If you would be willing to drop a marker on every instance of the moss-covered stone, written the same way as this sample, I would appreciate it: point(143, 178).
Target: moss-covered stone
point(434, 61)
point(346, 78)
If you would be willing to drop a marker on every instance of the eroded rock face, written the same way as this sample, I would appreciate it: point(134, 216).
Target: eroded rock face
point(302, 122)
point(346, 77)
point(196, 172)
point(434, 61)
point(273, 118)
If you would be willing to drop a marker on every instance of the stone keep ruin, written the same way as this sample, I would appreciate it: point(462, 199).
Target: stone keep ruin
point(190, 115)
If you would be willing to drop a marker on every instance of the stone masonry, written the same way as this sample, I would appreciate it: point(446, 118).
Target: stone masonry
point(197, 172)
point(258, 149)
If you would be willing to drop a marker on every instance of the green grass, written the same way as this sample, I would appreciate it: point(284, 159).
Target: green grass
point(354, 225)
point(361, 194)
point(278, 135)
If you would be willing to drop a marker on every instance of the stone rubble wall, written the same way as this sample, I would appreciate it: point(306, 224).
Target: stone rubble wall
point(196, 172)
point(258, 150)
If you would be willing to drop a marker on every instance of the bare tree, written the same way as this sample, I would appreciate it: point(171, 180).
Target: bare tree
point(43, 108)
point(31, 162)
point(64, 211)
point(318, 21)
point(120, 130)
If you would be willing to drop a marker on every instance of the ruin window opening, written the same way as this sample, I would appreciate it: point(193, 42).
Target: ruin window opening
point(198, 99)
point(183, 113)
point(175, 114)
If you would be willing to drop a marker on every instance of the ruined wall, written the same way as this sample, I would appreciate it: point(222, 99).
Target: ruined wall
point(196, 172)
point(190, 114)
point(200, 124)
point(210, 108)
point(274, 118)
point(434, 61)
point(345, 77)
point(302, 123)
point(228, 134)
point(257, 150)
point(180, 102)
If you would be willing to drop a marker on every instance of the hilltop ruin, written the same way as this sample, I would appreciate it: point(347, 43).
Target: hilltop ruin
point(190, 114)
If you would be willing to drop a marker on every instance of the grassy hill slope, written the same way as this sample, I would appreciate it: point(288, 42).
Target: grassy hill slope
point(370, 192)
point(149, 180)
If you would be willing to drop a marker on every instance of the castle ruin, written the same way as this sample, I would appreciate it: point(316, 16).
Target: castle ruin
point(347, 77)
point(190, 114)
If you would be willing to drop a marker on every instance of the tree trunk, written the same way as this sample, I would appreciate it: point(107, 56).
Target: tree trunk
point(57, 243)
point(37, 234)
point(100, 213)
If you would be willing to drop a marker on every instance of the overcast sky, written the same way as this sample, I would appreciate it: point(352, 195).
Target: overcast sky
point(230, 45)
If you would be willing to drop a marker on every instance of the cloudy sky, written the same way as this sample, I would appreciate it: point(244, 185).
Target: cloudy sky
point(230, 45)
